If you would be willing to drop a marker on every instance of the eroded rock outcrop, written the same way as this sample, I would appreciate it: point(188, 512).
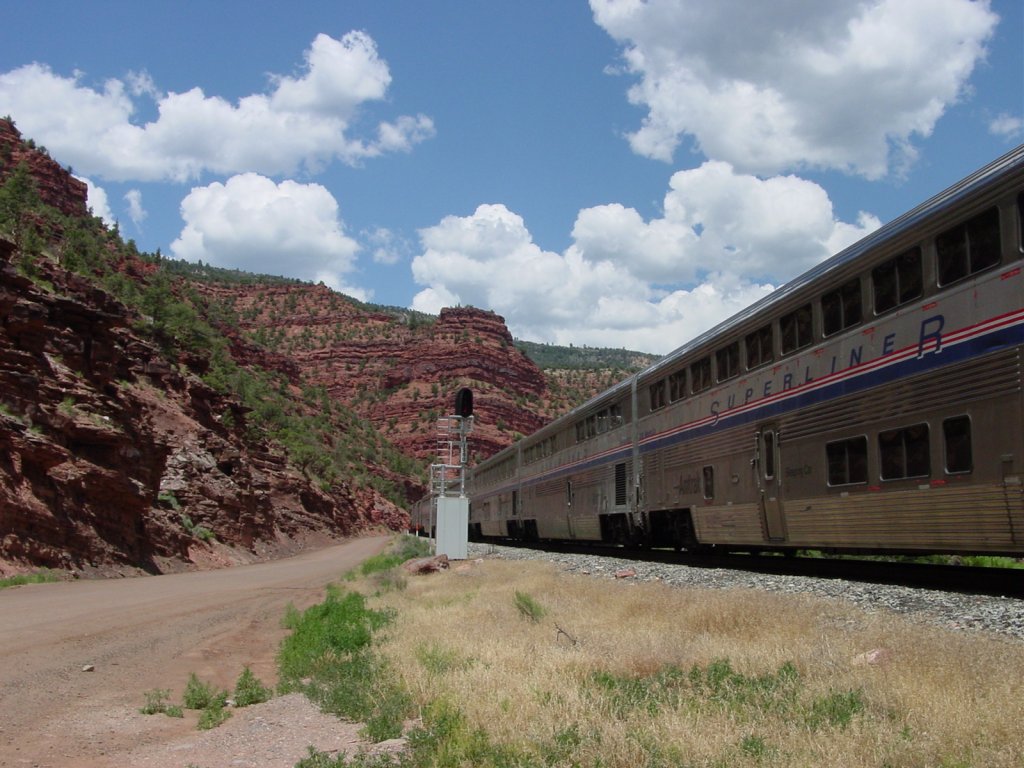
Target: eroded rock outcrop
point(56, 186)
point(113, 455)
point(400, 375)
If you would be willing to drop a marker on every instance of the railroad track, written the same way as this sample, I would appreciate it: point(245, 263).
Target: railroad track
point(961, 579)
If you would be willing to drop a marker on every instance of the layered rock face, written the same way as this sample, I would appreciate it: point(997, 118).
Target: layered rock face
point(401, 376)
point(56, 186)
point(112, 455)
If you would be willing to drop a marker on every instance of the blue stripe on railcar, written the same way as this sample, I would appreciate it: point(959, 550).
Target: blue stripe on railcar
point(954, 347)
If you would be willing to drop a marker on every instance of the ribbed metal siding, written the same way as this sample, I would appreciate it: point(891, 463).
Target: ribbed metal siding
point(981, 517)
point(984, 379)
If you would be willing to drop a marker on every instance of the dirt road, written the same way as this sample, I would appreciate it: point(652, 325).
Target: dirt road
point(141, 634)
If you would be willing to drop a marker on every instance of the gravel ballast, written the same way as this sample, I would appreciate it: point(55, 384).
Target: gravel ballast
point(1001, 615)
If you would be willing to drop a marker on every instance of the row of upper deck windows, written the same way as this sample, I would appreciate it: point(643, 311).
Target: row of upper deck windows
point(961, 251)
point(599, 422)
point(592, 425)
point(539, 450)
point(501, 471)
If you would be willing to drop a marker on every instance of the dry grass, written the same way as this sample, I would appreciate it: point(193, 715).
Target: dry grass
point(629, 674)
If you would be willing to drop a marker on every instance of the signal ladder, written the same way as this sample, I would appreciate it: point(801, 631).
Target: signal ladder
point(447, 473)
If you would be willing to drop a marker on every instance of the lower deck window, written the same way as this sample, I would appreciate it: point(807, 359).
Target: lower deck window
point(956, 434)
point(709, 482)
point(904, 452)
point(847, 461)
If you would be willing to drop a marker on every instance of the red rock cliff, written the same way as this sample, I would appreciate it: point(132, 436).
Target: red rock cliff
point(400, 376)
point(111, 455)
point(56, 186)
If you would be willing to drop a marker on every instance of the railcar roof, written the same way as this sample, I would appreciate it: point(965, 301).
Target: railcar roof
point(1011, 162)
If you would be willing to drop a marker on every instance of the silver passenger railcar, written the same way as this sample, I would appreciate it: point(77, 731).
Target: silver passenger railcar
point(872, 404)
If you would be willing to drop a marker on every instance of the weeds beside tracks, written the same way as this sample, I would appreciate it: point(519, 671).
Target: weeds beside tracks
point(869, 585)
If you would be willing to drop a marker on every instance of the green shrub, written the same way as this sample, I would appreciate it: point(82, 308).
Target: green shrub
point(39, 577)
point(212, 716)
point(446, 738)
point(719, 686)
point(836, 710)
point(528, 607)
point(200, 532)
point(316, 759)
point(250, 690)
point(169, 499)
point(156, 701)
point(650, 693)
point(382, 562)
point(200, 695)
point(329, 657)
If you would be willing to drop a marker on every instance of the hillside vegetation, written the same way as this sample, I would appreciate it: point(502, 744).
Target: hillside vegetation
point(552, 356)
point(250, 408)
point(321, 436)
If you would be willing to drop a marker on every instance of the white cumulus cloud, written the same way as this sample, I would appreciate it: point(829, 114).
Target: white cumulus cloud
point(136, 212)
point(725, 240)
point(302, 123)
point(252, 223)
point(1006, 125)
point(388, 247)
point(844, 84)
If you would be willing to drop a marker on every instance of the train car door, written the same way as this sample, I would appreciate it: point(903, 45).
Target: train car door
point(766, 465)
point(570, 495)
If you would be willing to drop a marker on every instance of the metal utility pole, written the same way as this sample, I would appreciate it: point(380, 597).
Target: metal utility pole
point(448, 479)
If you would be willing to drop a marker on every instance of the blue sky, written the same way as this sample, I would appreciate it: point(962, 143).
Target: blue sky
point(611, 173)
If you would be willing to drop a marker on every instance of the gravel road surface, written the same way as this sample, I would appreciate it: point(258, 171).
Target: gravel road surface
point(76, 659)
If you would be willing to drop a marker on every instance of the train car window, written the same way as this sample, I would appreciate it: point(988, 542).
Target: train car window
point(657, 394)
point(581, 431)
point(708, 476)
point(700, 375)
point(615, 416)
point(1020, 221)
point(897, 281)
point(677, 385)
point(727, 361)
point(956, 434)
point(969, 247)
point(904, 452)
point(760, 347)
point(847, 461)
point(796, 329)
point(768, 454)
point(841, 308)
